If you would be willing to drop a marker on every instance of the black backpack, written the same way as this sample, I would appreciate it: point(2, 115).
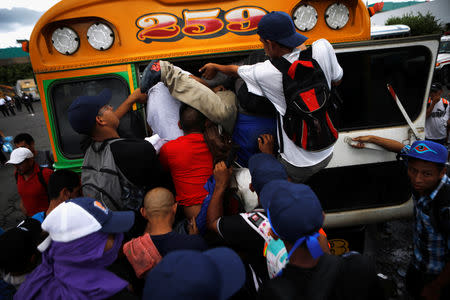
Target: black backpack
point(307, 121)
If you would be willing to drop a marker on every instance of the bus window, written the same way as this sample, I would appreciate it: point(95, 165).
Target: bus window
point(367, 102)
point(63, 92)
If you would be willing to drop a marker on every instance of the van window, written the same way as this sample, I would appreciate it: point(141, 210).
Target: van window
point(366, 100)
point(63, 93)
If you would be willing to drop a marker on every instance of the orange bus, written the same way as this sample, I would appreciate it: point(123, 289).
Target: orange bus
point(79, 47)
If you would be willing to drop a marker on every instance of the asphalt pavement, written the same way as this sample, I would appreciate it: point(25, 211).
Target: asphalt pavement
point(10, 213)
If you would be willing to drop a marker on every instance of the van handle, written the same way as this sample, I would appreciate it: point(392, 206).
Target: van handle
point(403, 111)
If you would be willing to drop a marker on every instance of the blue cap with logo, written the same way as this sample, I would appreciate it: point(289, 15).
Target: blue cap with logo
point(428, 151)
point(265, 168)
point(278, 26)
point(84, 109)
point(294, 213)
point(187, 274)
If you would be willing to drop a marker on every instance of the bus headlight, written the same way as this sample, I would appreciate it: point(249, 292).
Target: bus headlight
point(65, 40)
point(337, 15)
point(100, 36)
point(305, 17)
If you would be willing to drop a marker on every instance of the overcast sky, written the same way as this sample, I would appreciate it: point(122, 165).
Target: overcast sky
point(17, 18)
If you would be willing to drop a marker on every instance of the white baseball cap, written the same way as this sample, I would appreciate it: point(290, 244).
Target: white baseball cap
point(79, 217)
point(19, 155)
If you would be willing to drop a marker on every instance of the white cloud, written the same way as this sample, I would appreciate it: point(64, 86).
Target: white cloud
point(39, 5)
point(19, 30)
point(8, 39)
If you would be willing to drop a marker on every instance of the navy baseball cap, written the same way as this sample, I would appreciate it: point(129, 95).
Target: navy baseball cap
point(278, 26)
point(436, 86)
point(428, 151)
point(79, 217)
point(187, 274)
point(263, 169)
point(294, 213)
point(84, 109)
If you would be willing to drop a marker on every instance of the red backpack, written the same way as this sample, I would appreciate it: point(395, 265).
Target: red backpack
point(307, 121)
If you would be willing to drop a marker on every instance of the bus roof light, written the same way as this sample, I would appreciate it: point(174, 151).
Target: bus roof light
point(337, 15)
point(305, 17)
point(100, 36)
point(65, 40)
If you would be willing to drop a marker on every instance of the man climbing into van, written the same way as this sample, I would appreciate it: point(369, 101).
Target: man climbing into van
point(115, 171)
point(284, 46)
point(429, 271)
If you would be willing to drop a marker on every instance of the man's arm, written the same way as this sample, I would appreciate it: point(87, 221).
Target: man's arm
point(431, 106)
point(210, 70)
point(125, 107)
point(388, 144)
point(215, 209)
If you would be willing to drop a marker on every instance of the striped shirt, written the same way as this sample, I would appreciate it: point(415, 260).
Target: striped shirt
point(431, 247)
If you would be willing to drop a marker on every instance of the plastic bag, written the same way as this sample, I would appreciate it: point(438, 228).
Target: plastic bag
point(7, 147)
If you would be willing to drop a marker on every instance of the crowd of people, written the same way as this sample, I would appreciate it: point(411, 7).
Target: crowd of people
point(160, 218)
point(8, 104)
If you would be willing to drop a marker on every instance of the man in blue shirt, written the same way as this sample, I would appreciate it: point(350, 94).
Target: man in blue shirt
point(429, 272)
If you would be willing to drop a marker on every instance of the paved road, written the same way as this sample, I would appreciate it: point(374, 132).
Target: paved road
point(13, 125)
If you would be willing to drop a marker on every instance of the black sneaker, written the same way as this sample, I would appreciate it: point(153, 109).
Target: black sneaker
point(151, 76)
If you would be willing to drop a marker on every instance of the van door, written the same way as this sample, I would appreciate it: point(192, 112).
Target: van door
point(359, 181)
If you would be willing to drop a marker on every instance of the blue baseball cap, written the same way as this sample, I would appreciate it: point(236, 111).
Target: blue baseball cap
point(265, 168)
point(84, 109)
point(278, 26)
point(294, 213)
point(80, 217)
point(187, 274)
point(428, 151)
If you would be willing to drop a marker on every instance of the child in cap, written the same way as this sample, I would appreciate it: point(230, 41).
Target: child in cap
point(429, 270)
point(84, 238)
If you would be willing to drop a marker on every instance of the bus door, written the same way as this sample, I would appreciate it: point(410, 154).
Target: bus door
point(62, 88)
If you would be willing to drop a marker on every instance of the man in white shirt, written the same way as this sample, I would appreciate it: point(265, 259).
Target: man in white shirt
point(438, 116)
point(280, 39)
point(3, 107)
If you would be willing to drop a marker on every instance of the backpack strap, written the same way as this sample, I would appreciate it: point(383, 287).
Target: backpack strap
point(306, 54)
point(49, 158)
point(283, 65)
point(254, 220)
point(42, 180)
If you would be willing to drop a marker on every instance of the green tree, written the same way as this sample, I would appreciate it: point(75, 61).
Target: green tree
point(9, 74)
point(420, 24)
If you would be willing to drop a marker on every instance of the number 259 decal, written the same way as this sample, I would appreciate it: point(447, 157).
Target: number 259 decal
point(198, 24)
